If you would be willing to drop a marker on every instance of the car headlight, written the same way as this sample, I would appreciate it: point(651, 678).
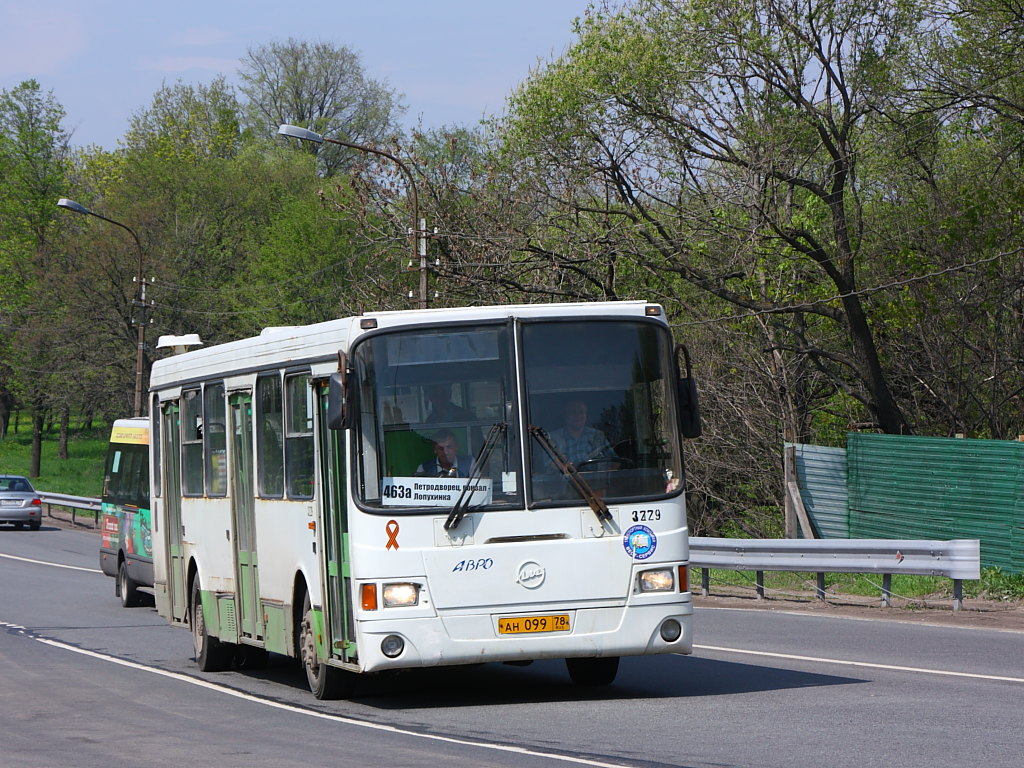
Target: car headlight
point(661, 580)
point(403, 593)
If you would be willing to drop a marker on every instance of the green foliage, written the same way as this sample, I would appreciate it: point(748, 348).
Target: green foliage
point(825, 196)
point(998, 585)
point(81, 474)
point(834, 418)
point(188, 122)
point(33, 309)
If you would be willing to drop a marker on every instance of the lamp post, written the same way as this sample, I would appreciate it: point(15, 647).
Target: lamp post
point(419, 253)
point(140, 299)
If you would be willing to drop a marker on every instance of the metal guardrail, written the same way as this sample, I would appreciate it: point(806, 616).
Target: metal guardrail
point(75, 503)
point(64, 500)
point(958, 559)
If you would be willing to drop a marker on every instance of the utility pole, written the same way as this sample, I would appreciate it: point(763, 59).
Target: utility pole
point(421, 238)
point(140, 321)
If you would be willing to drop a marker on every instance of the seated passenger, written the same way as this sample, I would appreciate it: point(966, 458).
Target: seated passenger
point(447, 461)
point(578, 442)
point(442, 409)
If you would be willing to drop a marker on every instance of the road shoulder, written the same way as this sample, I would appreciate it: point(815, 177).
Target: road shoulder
point(976, 613)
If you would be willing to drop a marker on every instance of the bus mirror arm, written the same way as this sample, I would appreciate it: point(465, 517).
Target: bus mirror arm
point(570, 472)
point(338, 411)
point(689, 407)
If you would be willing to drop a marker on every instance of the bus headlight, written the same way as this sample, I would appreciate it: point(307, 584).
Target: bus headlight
point(403, 593)
point(661, 580)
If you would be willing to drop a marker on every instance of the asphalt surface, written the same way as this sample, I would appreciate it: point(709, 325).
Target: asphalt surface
point(782, 683)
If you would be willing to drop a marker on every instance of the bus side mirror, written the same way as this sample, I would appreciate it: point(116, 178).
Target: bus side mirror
point(338, 416)
point(689, 407)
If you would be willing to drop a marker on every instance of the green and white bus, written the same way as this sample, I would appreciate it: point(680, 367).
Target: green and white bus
point(303, 505)
point(126, 545)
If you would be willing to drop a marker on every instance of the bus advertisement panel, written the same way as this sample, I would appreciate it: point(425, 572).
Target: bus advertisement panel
point(126, 546)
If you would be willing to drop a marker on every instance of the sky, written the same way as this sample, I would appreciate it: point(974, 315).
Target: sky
point(452, 61)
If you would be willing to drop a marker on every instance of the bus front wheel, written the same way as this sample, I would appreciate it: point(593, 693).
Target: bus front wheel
point(593, 671)
point(325, 682)
point(211, 654)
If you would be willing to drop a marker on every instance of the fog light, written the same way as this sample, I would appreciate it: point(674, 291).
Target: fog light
point(392, 646)
point(670, 630)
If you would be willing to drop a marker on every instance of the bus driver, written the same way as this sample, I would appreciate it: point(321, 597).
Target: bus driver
point(578, 442)
point(447, 461)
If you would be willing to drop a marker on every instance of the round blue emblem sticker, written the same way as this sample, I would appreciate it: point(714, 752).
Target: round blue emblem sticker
point(639, 542)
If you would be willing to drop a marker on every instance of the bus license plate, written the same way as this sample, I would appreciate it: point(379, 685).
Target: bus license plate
point(515, 625)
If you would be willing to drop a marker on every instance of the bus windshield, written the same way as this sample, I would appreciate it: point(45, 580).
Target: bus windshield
point(600, 393)
point(126, 480)
point(428, 399)
point(435, 404)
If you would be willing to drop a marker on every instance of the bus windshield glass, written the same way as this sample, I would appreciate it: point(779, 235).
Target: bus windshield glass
point(126, 481)
point(428, 401)
point(600, 393)
point(435, 404)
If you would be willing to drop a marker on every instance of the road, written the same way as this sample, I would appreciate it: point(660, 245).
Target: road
point(86, 683)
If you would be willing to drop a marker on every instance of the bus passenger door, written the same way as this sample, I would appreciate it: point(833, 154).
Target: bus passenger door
point(242, 509)
point(334, 528)
point(171, 434)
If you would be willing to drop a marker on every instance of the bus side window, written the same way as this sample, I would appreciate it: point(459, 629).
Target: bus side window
point(192, 443)
point(269, 443)
point(215, 441)
point(299, 437)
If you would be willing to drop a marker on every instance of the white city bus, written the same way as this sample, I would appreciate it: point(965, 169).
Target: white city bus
point(299, 506)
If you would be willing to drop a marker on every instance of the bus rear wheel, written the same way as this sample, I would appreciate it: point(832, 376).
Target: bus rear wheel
point(325, 682)
point(593, 671)
point(127, 589)
point(211, 654)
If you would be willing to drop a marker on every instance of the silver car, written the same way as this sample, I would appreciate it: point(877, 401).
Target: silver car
point(19, 502)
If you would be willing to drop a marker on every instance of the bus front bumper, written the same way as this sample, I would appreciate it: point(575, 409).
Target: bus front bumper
point(475, 638)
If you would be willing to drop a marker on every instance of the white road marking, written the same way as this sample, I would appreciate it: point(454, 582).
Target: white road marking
point(889, 618)
point(869, 664)
point(52, 565)
point(324, 715)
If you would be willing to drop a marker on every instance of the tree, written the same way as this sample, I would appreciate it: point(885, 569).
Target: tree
point(951, 207)
point(973, 57)
point(199, 121)
point(322, 87)
point(33, 162)
point(723, 139)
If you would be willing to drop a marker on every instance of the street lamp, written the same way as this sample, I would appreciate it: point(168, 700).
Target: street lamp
point(419, 251)
point(140, 300)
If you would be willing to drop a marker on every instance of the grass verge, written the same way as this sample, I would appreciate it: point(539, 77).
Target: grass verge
point(993, 585)
point(80, 474)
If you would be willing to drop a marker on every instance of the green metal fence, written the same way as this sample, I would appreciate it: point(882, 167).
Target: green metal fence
point(939, 488)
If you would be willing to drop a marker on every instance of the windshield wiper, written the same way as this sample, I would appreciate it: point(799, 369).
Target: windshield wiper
point(569, 471)
point(461, 505)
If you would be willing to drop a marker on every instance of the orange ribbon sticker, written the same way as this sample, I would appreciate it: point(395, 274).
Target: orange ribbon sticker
point(392, 530)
